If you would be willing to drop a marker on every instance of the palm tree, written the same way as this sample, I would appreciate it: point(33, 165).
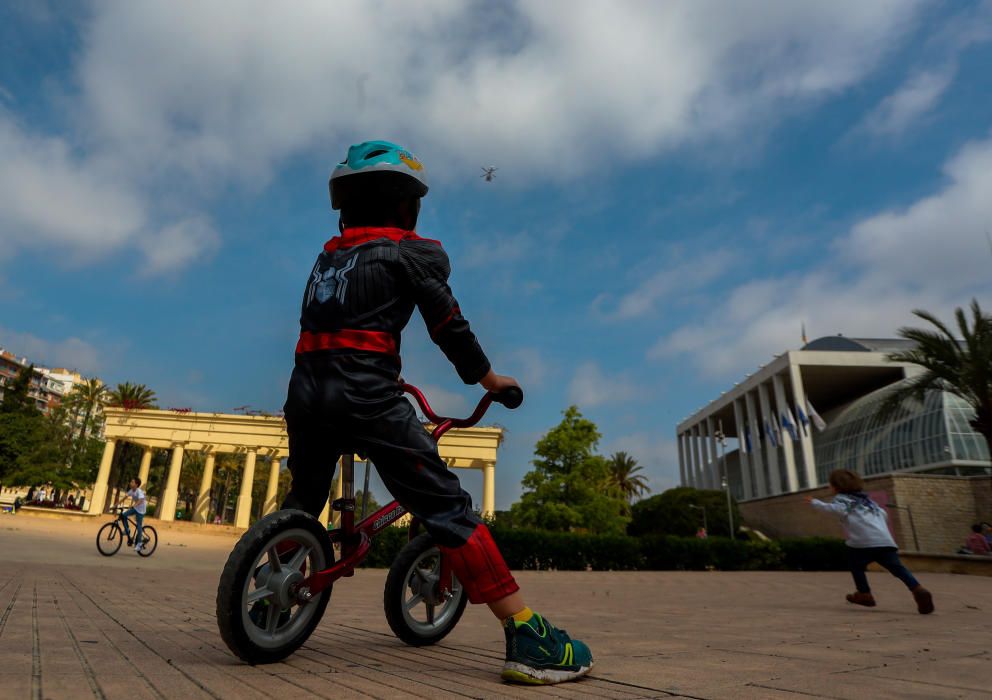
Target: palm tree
point(960, 367)
point(86, 398)
point(131, 396)
point(624, 479)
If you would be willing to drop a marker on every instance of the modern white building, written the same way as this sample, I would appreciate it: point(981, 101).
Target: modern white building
point(809, 411)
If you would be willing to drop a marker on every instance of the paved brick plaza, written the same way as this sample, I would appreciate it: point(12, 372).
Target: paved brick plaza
point(74, 624)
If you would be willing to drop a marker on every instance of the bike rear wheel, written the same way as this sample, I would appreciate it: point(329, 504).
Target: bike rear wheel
point(150, 541)
point(109, 539)
point(259, 615)
point(416, 610)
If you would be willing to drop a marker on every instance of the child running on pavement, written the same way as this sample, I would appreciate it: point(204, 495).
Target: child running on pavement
point(868, 539)
point(345, 393)
point(137, 509)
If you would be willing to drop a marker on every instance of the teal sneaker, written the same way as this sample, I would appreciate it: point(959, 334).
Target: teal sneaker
point(539, 653)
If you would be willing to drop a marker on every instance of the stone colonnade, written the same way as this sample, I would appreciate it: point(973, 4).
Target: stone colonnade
point(251, 436)
point(773, 458)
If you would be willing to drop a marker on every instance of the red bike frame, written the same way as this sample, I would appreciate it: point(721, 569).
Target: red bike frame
point(355, 538)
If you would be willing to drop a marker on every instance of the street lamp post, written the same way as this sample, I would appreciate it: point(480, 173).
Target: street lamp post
point(912, 523)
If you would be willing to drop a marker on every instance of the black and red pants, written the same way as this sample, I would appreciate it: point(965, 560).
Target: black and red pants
point(341, 404)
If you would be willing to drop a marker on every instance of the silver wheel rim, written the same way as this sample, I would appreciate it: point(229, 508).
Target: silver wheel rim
point(270, 613)
point(422, 613)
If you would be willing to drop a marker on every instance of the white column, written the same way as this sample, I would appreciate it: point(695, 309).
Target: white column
point(242, 514)
point(767, 417)
point(678, 440)
point(202, 509)
point(272, 489)
point(714, 466)
point(791, 475)
point(146, 464)
point(697, 442)
point(167, 510)
point(742, 454)
point(99, 497)
point(489, 491)
point(805, 436)
point(760, 487)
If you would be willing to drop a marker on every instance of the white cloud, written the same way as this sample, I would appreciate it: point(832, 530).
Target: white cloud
point(674, 280)
point(180, 244)
point(232, 88)
point(530, 366)
point(72, 352)
point(51, 197)
point(905, 107)
point(932, 254)
point(590, 386)
point(188, 98)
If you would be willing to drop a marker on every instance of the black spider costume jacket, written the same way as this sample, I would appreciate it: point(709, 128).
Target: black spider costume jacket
point(361, 294)
point(344, 395)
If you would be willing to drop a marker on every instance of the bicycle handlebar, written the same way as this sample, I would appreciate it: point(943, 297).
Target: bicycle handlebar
point(510, 398)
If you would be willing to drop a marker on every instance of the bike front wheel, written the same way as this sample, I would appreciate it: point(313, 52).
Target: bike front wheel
point(259, 613)
point(109, 539)
point(417, 611)
point(149, 542)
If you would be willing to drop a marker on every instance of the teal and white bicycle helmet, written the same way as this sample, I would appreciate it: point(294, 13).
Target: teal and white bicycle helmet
point(377, 168)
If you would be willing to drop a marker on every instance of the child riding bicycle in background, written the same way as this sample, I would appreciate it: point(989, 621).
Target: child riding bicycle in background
point(138, 506)
point(344, 394)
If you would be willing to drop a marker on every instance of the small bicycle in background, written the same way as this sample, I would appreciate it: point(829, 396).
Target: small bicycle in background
point(111, 536)
point(277, 581)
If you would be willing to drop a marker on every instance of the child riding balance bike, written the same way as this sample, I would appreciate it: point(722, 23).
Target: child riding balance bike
point(345, 397)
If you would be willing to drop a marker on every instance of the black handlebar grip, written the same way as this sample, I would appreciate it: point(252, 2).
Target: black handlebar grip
point(510, 397)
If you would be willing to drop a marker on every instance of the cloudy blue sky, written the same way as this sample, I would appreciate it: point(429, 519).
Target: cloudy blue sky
point(681, 185)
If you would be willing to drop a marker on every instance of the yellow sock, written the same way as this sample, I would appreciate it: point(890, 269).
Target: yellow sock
point(523, 616)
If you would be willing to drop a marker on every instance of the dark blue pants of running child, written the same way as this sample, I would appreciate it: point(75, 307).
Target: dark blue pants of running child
point(861, 557)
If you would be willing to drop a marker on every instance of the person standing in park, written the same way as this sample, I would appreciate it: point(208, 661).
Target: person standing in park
point(868, 539)
point(138, 507)
point(345, 390)
point(976, 543)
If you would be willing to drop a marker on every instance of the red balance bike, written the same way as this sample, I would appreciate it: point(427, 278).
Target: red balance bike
point(277, 581)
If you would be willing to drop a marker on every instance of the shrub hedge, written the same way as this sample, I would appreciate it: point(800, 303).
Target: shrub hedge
point(568, 551)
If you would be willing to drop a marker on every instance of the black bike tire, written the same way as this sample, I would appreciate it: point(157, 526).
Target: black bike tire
point(120, 539)
point(153, 541)
point(395, 590)
point(239, 567)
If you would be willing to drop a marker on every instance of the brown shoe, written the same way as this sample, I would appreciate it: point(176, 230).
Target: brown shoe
point(924, 601)
point(866, 599)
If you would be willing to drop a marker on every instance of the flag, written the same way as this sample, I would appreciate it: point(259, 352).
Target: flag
point(789, 425)
point(803, 420)
point(815, 417)
point(771, 434)
point(747, 439)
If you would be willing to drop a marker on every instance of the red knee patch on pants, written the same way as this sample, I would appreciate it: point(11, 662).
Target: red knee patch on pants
point(480, 568)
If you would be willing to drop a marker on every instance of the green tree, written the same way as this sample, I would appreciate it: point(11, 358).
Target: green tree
point(85, 401)
point(565, 489)
point(962, 367)
point(15, 396)
point(624, 479)
point(679, 511)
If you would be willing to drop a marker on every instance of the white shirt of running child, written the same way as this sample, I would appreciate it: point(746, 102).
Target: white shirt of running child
point(138, 500)
point(865, 522)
